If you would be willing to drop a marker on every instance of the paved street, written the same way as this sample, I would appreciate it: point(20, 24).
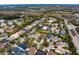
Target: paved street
point(75, 38)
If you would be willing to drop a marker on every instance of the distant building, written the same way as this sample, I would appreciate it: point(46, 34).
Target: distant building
point(2, 21)
point(32, 50)
point(39, 26)
point(51, 53)
point(25, 30)
point(62, 32)
point(36, 36)
point(51, 20)
point(4, 41)
point(73, 32)
point(43, 36)
point(40, 52)
point(49, 36)
point(1, 30)
point(62, 51)
point(45, 27)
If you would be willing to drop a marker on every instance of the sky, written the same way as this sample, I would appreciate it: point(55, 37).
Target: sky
point(39, 1)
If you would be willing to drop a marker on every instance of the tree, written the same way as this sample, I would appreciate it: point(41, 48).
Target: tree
point(45, 43)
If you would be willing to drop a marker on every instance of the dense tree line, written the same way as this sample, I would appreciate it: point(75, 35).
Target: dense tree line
point(9, 16)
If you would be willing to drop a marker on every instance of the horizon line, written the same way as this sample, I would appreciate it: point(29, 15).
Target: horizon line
point(39, 4)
